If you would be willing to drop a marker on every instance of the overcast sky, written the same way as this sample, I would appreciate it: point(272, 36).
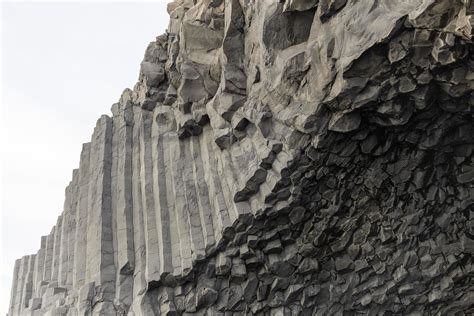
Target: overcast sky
point(63, 64)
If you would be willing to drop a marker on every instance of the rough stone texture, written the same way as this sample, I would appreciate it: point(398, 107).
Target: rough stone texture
point(276, 158)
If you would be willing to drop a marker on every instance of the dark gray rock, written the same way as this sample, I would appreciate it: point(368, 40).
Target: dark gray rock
point(292, 157)
point(344, 122)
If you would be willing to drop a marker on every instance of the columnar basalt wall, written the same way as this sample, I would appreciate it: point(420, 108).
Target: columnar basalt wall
point(294, 157)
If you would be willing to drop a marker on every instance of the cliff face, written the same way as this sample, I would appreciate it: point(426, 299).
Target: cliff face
point(276, 157)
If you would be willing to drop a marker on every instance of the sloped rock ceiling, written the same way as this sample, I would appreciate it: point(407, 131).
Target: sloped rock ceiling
point(293, 157)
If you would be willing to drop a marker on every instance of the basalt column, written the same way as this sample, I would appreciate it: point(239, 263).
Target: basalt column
point(294, 157)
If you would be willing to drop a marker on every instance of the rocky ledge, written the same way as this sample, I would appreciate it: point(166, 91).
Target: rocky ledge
point(287, 157)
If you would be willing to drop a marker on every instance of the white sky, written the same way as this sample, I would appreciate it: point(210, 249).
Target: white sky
point(63, 64)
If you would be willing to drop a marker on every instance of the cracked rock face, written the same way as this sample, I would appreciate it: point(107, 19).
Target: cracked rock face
point(276, 158)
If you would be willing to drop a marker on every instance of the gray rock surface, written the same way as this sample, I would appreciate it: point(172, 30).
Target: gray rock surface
point(295, 157)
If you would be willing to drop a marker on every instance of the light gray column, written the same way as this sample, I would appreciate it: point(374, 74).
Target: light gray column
point(216, 192)
point(167, 220)
point(177, 167)
point(28, 283)
point(122, 202)
point(139, 282)
point(206, 212)
point(191, 205)
point(56, 249)
point(80, 245)
point(148, 200)
point(71, 240)
point(160, 188)
point(48, 260)
point(39, 267)
point(13, 292)
point(20, 284)
point(100, 262)
point(65, 229)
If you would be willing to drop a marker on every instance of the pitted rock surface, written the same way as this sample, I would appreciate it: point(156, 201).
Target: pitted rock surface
point(293, 157)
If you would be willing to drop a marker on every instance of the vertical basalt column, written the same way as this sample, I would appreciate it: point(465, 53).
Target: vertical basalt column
point(56, 249)
point(171, 251)
point(167, 162)
point(139, 281)
point(214, 184)
point(122, 202)
point(80, 245)
point(229, 181)
point(160, 187)
point(309, 169)
point(206, 212)
point(28, 283)
point(166, 168)
point(71, 240)
point(100, 260)
point(23, 267)
point(114, 193)
point(191, 207)
point(48, 257)
point(13, 293)
point(39, 267)
point(177, 167)
point(65, 229)
point(148, 200)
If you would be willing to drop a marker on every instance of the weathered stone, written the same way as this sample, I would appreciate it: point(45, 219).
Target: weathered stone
point(297, 214)
point(223, 264)
point(344, 122)
point(330, 7)
point(239, 271)
point(292, 292)
point(250, 287)
point(273, 246)
point(275, 157)
point(308, 265)
point(295, 5)
point(153, 73)
point(206, 297)
point(343, 264)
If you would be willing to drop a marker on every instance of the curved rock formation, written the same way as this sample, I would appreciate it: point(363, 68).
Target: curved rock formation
point(288, 157)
